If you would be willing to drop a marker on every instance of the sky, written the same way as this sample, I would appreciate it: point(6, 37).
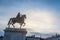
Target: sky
point(43, 16)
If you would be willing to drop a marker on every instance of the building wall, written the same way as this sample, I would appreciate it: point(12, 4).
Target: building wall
point(1, 38)
point(32, 38)
point(53, 38)
point(29, 38)
point(37, 39)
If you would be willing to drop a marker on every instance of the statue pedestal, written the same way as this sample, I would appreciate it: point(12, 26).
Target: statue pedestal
point(15, 34)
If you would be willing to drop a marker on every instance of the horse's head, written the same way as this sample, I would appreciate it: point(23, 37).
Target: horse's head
point(24, 16)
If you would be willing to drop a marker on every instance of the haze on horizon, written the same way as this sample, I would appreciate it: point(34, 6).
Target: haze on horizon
point(43, 16)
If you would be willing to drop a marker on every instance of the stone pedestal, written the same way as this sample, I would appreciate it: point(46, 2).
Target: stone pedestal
point(15, 34)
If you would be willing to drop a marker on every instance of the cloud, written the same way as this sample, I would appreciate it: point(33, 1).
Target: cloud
point(43, 20)
point(40, 18)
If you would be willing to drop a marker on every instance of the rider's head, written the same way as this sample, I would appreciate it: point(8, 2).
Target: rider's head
point(19, 13)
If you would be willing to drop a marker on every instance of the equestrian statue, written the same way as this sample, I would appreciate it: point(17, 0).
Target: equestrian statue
point(18, 19)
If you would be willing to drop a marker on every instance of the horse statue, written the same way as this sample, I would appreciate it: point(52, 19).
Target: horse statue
point(12, 21)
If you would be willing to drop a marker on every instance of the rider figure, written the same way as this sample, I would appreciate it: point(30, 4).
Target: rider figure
point(18, 16)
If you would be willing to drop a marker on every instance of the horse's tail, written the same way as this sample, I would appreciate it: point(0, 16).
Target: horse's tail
point(10, 21)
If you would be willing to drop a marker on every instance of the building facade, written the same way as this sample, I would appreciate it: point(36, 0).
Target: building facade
point(56, 37)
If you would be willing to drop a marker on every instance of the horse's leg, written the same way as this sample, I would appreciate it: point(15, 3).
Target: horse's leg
point(9, 23)
point(24, 24)
point(13, 25)
point(8, 26)
point(20, 26)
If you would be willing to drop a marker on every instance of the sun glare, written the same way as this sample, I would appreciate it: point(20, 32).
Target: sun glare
point(39, 20)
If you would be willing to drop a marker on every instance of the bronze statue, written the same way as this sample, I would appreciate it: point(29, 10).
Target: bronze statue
point(18, 15)
point(19, 19)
